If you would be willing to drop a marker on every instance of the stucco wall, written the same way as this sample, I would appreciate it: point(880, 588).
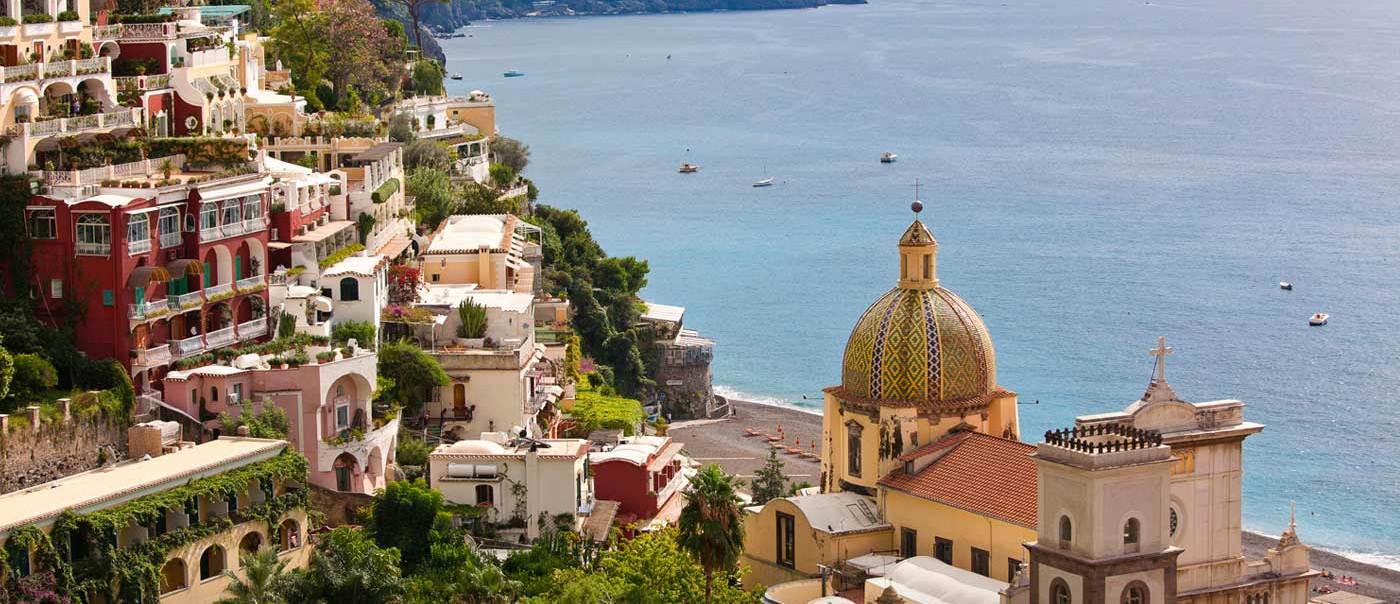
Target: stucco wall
point(1002, 540)
point(811, 547)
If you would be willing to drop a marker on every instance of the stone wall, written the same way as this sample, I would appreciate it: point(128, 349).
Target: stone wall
point(339, 508)
point(33, 451)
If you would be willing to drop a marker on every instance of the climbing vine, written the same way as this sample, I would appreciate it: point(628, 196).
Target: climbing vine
point(132, 573)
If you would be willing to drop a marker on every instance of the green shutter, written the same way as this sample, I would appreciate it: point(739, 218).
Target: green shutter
point(140, 295)
point(208, 275)
point(108, 298)
point(237, 268)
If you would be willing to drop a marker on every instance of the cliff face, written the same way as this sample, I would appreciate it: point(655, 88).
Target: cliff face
point(450, 15)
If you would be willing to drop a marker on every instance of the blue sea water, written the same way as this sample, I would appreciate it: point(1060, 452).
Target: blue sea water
point(1098, 173)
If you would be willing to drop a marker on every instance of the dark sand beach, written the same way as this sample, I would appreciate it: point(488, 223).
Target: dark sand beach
point(724, 442)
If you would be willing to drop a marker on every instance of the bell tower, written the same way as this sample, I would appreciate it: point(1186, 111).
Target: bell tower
point(918, 254)
point(1103, 494)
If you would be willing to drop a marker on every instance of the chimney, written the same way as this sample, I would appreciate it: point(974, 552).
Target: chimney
point(144, 439)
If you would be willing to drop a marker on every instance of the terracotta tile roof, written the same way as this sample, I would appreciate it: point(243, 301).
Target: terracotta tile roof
point(982, 474)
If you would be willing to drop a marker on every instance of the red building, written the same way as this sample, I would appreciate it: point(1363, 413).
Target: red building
point(643, 474)
point(155, 274)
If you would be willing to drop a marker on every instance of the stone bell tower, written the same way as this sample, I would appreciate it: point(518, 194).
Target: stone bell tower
point(1103, 492)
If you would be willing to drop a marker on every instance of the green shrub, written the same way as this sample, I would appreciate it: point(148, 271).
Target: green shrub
point(38, 18)
point(8, 22)
point(360, 331)
point(473, 317)
point(385, 191)
point(412, 451)
point(33, 376)
point(68, 15)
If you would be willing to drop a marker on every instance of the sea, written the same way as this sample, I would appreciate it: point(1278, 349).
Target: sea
point(1098, 173)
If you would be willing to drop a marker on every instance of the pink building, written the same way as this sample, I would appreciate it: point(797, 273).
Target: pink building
point(327, 405)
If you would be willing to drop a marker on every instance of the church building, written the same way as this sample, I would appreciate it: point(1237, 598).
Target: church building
point(921, 460)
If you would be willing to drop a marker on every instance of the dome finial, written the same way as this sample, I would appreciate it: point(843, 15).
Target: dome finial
point(918, 205)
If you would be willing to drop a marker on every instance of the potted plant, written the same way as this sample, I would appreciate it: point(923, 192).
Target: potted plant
point(472, 330)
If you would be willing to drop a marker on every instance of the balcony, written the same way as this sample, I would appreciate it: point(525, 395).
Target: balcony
point(80, 124)
point(147, 31)
point(55, 69)
point(382, 437)
point(214, 291)
point(255, 224)
point(231, 229)
point(249, 283)
point(37, 30)
point(106, 32)
point(154, 356)
point(187, 347)
point(183, 301)
point(150, 308)
point(94, 249)
point(168, 240)
point(208, 234)
point(20, 73)
point(252, 329)
point(142, 83)
point(138, 247)
point(219, 337)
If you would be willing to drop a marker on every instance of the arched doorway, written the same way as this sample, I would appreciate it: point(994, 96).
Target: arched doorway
point(172, 576)
point(212, 563)
point(289, 534)
point(346, 466)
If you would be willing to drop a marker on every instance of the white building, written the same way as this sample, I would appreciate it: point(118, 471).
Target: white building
point(520, 480)
point(358, 288)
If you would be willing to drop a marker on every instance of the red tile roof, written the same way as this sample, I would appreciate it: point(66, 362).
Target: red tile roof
point(982, 474)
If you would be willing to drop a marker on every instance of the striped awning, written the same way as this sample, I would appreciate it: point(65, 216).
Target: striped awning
point(180, 268)
point(144, 275)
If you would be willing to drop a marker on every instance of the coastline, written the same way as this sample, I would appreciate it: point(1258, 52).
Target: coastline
point(724, 442)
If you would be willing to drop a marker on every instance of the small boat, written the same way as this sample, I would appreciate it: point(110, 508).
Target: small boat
point(514, 73)
point(766, 182)
point(1284, 285)
point(888, 157)
point(456, 76)
point(689, 168)
point(1319, 318)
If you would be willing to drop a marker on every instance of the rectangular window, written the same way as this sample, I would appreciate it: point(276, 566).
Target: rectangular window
point(208, 216)
point(436, 277)
point(168, 225)
point(908, 543)
point(109, 298)
point(787, 546)
point(55, 288)
point(853, 448)
point(94, 235)
point(943, 550)
point(43, 224)
point(236, 394)
point(928, 266)
point(252, 207)
point(1012, 565)
point(981, 562)
point(232, 212)
point(342, 416)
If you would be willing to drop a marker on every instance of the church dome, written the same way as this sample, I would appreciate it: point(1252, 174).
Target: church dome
point(919, 343)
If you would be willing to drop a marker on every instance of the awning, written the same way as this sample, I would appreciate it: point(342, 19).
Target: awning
point(144, 275)
point(180, 268)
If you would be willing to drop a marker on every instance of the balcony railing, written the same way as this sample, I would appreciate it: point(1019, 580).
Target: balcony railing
point(138, 247)
point(106, 32)
point(149, 307)
point(252, 329)
point(94, 249)
point(187, 300)
point(230, 229)
point(143, 82)
point(254, 224)
point(20, 73)
point(148, 31)
point(217, 290)
point(219, 337)
point(249, 283)
point(170, 239)
point(187, 347)
point(209, 234)
point(75, 125)
point(154, 356)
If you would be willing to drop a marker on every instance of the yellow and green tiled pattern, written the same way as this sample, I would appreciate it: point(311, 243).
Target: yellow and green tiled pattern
point(920, 345)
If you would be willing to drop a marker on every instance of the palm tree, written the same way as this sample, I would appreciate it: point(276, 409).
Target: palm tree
point(711, 526)
point(262, 571)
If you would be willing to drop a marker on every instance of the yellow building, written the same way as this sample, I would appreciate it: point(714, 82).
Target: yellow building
point(920, 435)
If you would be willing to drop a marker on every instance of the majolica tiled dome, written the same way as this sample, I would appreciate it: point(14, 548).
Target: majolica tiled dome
point(919, 343)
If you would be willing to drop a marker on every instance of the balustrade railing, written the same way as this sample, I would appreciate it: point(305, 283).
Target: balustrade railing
point(209, 234)
point(187, 347)
point(74, 125)
point(218, 290)
point(91, 176)
point(232, 228)
point(248, 283)
point(149, 307)
point(170, 239)
point(155, 355)
point(94, 249)
point(219, 337)
point(138, 247)
point(252, 329)
point(147, 31)
point(194, 298)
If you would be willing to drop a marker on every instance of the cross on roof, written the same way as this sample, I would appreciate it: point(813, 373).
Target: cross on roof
point(1161, 352)
point(916, 189)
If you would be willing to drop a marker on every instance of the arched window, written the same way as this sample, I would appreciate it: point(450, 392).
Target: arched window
point(172, 576)
point(1135, 593)
point(250, 543)
point(1066, 531)
point(1059, 592)
point(349, 289)
point(290, 535)
point(485, 495)
point(211, 563)
point(1131, 535)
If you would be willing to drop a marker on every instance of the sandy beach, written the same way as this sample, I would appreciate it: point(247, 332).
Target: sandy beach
point(723, 442)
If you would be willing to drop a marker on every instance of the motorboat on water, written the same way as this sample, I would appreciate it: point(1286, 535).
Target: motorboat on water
point(514, 73)
point(766, 182)
point(689, 168)
point(456, 76)
point(1318, 318)
point(888, 157)
point(1286, 286)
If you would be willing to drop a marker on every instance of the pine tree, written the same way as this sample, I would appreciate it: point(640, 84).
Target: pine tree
point(769, 482)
